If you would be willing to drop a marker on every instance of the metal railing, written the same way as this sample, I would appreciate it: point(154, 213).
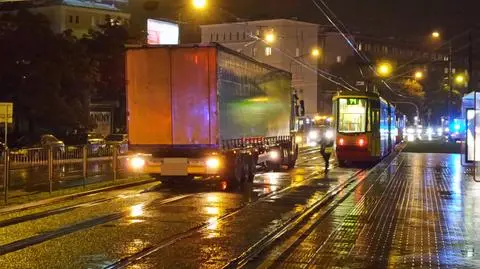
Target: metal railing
point(47, 169)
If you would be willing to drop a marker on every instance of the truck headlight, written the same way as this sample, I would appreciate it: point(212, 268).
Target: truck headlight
point(329, 134)
point(298, 139)
point(137, 162)
point(313, 135)
point(213, 163)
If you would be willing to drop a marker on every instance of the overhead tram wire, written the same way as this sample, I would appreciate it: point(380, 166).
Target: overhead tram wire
point(349, 41)
point(322, 73)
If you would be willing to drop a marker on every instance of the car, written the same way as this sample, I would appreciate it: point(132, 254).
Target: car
point(45, 141)
point(95, 142)
point(120, 140)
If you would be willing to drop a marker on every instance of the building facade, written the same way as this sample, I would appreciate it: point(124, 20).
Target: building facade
point(293, 40)
point(80, 16)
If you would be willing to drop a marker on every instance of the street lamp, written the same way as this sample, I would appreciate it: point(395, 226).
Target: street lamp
point(269, 37)
point(384, 69)
point(418, 75)
point(460, 79)
point(199, 4)
point(435, 34)
point(315, 52)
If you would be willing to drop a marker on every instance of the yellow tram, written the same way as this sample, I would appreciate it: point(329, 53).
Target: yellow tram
point(366, 127)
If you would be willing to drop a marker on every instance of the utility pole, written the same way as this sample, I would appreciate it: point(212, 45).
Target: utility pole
point(470, 61)
point(450, 79)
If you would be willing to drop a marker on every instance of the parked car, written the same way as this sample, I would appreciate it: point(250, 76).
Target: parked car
point(44, 141)
point(35, 146)
point(95, 142)
point(120, 140)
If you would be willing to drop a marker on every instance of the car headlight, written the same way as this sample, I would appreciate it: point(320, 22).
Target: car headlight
point(410, 131)
point(329, 134)
point(313, 135)
point(137, 162)
point(213, 163)
point(274, 155)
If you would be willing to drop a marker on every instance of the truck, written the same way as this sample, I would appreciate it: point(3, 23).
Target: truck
point(206, 110)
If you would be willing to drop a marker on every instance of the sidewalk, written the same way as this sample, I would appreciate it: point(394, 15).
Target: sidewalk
point(425, 213)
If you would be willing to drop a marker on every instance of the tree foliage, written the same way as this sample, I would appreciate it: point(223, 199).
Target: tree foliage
point(48, 76)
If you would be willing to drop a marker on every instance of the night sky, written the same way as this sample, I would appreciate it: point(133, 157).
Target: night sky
point(404, 19)
point(408, 19)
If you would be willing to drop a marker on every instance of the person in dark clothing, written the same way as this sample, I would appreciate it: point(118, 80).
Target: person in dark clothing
point(326, 147)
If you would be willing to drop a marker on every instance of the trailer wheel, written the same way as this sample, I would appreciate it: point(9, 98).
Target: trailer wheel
point(342, 163)
point(276, 166)
point(251, 167)
point(235, 172)
point(292, 158)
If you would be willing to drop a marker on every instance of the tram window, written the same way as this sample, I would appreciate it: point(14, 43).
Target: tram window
point(352, 115)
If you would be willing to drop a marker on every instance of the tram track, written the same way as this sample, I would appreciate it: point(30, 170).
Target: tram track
point(298, 225)
point(151, 249)
point(90, 223)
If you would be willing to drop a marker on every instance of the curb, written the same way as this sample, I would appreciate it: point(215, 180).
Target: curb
point(29, 205)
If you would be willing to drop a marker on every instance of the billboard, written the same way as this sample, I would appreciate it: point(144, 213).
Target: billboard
point(162, 32)
point(103, 122)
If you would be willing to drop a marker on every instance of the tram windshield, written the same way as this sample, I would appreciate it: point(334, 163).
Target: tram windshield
point(352, 115)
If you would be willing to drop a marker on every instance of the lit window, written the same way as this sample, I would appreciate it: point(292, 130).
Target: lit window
point(297, 52)
point(339, 59)
point(254, 51)
point(268, 51)
point(360, 46)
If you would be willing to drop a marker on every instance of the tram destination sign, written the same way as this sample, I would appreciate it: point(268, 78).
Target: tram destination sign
point(352, 101)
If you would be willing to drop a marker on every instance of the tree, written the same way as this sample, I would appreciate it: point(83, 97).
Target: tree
point(107, 47)
point(48, 76)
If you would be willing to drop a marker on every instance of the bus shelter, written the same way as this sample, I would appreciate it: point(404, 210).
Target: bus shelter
point(471, 114)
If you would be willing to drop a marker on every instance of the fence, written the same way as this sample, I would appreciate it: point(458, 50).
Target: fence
point(34, 170)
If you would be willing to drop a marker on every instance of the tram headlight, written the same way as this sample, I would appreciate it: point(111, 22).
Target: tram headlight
point(313, 135)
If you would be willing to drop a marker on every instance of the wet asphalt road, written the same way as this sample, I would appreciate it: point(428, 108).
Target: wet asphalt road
point(183, 225)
